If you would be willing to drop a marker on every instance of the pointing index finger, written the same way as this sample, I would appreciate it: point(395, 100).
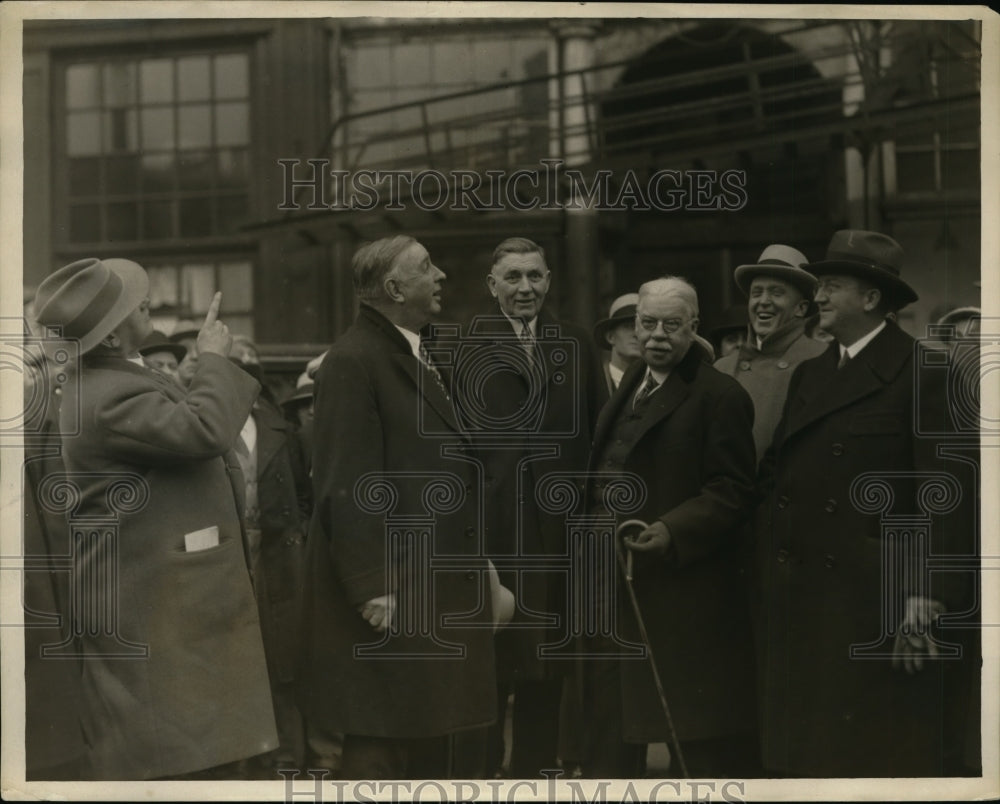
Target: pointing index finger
point(213, 309)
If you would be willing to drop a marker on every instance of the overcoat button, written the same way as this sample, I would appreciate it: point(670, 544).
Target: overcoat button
point(470, 532)
point(782, 556)
point(829, 562)
point(520, 499)
point(782, 364)
point(470, 576)
point(831, 506)
point(838, 449)
point(782, 501)
point(745, 365)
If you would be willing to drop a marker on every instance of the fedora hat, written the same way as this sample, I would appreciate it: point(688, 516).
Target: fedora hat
point(781, 262)
point(89, 298)
point(185, 329)
point(158, 342)
point(734, 319)
point(871, 256)
point(302, 393)
point(622, 310)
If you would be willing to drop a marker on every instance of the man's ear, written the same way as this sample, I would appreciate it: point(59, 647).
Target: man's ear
point(609, 337)
point(872, 298)
point(391, 286)
point(694, 324)
point(111, 340)
point(801, 308)
point(491, 283)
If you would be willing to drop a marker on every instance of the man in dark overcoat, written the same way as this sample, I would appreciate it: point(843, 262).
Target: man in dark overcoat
point(836, 589)
point(396, 656)
point(530, 386)
point(180, 684)
point(685, 430)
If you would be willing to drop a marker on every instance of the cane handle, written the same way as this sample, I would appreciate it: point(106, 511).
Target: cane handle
point(629, 523)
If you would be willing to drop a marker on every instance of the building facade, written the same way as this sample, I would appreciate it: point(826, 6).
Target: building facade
point(184, 144)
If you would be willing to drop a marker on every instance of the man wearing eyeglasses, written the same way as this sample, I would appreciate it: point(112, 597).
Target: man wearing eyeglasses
point(686, 430)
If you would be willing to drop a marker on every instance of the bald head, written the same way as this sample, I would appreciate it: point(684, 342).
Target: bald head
point(672, 286)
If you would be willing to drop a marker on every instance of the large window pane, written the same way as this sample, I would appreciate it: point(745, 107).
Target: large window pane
point(231, 213)
point(451, 62)
point(121, 130)
point(233, 167)
point(195, 126)
point(232, 76)
point(960, 169)
point(412, 65)
point(85, 176)
point(158, 172)
point(123, 221)
point(83, 86)
point(119, 84)
point(83, 134)
point(84, 223)
point(372, 67)
point(193, 78)
point(156, 81)
point(196, 217)
point(914, 171)
point(157, 219)
point(122, 173)
point(197, 287)
point(195, 170)
point(232, 124)
point(158, 129)
point(236, 284)
point(163, 290)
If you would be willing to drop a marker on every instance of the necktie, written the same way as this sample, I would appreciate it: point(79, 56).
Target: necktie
point(527, 340)
point(647, 388)
point(425, 358)
point(845, 358)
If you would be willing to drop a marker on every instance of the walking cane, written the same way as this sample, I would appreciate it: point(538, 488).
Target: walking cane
point(625, 564)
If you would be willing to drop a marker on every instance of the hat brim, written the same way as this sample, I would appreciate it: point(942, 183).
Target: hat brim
point(604, 326)
point(298, 398)
point(899, 293)
point(798, 278)
point(175, 349)
point(135, 288)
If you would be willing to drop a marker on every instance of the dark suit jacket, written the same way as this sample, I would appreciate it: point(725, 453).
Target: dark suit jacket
point(821, 580)
point(528, 424)
point(381, 417)
point(278, 573)
point(694, 450)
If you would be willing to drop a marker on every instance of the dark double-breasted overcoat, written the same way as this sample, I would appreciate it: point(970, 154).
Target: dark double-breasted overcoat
point(823, 579)
point(694, 450)
point(391, 463)
point(159, 459)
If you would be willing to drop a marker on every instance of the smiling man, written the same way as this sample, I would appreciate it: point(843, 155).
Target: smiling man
point(685, 429)
point(778, 294)
point(540, 400)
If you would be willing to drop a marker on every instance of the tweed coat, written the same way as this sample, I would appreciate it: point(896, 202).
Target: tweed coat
point(694, 450)
point(765, 374)
point(201, 696)
point(381, 417)
point(279, 568)
point(820, 571)
point(536, 423)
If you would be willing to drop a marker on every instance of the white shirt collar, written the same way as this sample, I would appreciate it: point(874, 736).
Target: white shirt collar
point(861, 343)
point(412, 338)
point(616, 374)
point(249, 433)
point(137, 360)
point(518, 324)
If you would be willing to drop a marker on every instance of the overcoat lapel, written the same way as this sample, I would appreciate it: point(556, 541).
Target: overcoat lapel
point(877, 365)
point(271, 429)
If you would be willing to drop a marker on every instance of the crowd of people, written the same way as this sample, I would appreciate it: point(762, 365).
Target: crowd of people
point(366, 576)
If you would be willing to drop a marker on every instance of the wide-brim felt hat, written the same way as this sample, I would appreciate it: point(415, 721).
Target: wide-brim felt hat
point(781, 262)
point(871, 256)
point(89, 298)
point(734, 319)
point(158, 342)
point(302, 394)
point(622, 310)
point(184, 330)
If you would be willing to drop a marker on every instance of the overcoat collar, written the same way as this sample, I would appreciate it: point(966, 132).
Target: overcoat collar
point(117, 363)
point(272, 429)
point(877, 365)
point(404, 358)
point(676, 388)
point(498, 326)
point(775, 344)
